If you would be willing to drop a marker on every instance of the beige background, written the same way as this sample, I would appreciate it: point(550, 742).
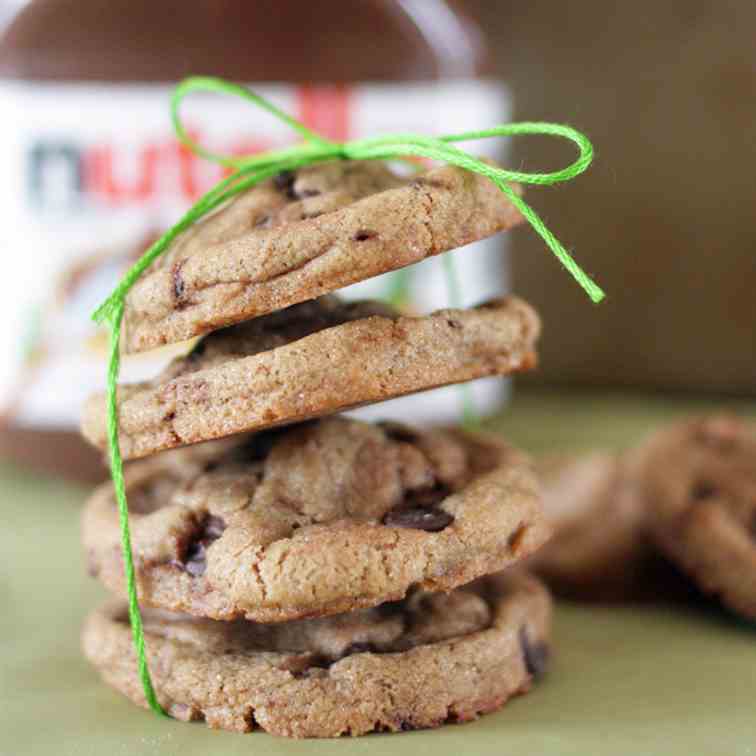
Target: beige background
point(666, 89)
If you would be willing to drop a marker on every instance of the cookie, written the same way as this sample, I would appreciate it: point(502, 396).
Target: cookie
point(317, 519)
point(312, 359)
point(418, 663)
point(599, 551)
point(302, 235)
point(698, 482)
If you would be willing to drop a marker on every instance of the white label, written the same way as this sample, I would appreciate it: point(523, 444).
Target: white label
point(91, 173)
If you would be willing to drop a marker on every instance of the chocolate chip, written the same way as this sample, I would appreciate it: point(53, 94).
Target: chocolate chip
point(195, 562)
point(430, 519)
point(362, 236)
point(284, 182)
point(214, 527)
point(357, 648)
point(195, 558)
point(702, 491)
point(535, 655)
point(399, 432)
point(249, 719)
point(300, 666)
point(179, 288)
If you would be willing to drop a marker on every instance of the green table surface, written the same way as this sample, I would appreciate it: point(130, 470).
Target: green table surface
point(634, 680)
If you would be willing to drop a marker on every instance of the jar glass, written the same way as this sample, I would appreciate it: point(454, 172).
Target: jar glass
point(94, 170)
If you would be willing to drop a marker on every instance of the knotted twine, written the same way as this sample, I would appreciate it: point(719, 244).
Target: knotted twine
point(248, 171)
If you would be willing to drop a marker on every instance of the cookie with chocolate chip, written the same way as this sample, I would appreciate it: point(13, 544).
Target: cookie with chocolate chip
point(313, 359)
point(316, 519)
point(416, 663)
point(698, 483)
point(302, 235)
point(599, 551)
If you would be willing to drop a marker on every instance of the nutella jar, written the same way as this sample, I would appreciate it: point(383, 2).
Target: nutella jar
point(92, 171)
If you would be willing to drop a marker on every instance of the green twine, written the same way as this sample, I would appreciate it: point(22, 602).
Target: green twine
point(116, 467)
point(251, 170)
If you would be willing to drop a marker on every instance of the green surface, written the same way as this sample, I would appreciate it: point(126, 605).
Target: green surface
point(624, 680)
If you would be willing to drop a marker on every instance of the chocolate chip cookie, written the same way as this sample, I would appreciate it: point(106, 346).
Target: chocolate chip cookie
point(303, 235)
point(321, 518)
point(313, 359)
point(698, 482)
point(420, 662)
point(600, 550)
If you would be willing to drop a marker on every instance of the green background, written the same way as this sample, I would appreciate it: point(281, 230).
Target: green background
point(624, 680)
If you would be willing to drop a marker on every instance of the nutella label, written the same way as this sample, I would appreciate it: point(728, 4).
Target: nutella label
point(91, 174)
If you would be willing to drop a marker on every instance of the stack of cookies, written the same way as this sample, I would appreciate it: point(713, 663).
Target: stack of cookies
point(299, 570)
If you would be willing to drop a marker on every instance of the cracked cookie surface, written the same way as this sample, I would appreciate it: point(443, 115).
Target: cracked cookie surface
point(320, 518)
point(297, 237)
point(429, 659)
point(698, 483)
point(312, 359)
